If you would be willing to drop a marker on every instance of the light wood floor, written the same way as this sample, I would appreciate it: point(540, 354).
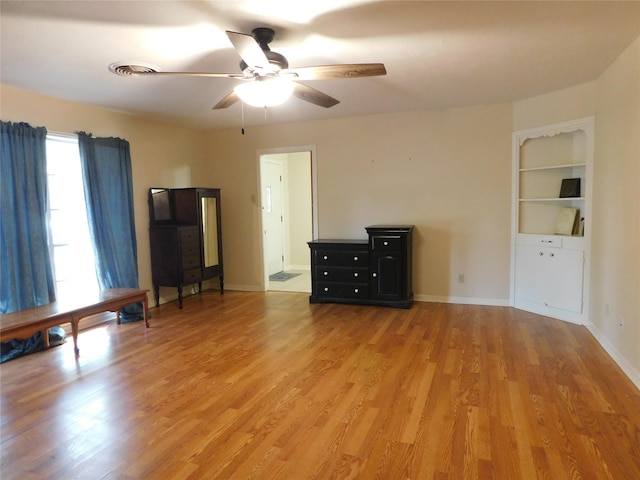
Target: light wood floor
point(266, 386)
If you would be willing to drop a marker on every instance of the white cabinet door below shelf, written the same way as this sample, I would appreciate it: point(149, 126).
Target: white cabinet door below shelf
point(551, 277)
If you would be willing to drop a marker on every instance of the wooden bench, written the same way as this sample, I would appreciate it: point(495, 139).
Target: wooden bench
point(25, 323)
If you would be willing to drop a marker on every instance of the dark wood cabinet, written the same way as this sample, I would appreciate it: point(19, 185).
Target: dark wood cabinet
point(376, 271)
point(186, 238)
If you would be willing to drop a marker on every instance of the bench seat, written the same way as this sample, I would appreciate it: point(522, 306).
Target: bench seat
point(25, 323)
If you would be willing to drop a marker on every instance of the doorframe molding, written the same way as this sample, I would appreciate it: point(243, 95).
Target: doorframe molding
point(314, 195)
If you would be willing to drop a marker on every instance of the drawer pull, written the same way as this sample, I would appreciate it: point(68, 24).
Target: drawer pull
point(552, 255)
point(325, 273)
point(540, 253)
point(385, 243)
point(355, 259)
point(375, 275)
point(325, 258)
point(355, 274)
point(355, 290)
point(326, 289)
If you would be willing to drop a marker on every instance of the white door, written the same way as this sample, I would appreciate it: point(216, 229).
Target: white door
point(272, 215)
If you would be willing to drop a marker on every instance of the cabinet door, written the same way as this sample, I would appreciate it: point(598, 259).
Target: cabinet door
point(550, 276)
point(565, 271)
point(530, 274)
point(386, 277)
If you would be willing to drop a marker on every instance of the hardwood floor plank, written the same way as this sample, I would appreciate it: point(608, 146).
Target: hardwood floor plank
point(255, 385)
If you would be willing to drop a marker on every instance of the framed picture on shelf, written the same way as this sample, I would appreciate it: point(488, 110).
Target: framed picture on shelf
point(570, 188)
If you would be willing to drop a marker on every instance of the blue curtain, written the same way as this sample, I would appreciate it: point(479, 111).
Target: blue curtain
point(26, 275)
point(108, 187)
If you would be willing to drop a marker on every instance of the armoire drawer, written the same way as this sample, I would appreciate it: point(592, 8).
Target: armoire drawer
point(193, 275)
point(190, 235)
point(190, 261)
point(190, 249)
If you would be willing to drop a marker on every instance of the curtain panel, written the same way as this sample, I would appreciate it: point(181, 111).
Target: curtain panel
point(108, 185)
point(26, 273)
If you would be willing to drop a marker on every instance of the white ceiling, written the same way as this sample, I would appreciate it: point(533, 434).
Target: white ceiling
point(437, 54)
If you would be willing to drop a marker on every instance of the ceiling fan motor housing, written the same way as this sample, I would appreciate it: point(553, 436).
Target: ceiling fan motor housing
point(264, 36)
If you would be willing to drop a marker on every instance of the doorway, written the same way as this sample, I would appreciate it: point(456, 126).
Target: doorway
point(289, 220)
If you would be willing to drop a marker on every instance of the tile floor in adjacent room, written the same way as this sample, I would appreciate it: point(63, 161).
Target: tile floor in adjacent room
point(301, 283)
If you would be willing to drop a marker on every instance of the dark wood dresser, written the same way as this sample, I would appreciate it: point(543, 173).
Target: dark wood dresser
point(376, 271)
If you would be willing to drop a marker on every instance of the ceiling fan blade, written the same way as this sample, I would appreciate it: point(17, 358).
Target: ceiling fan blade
point(227, 101)
point(328, 72)
point(249, 50)
point(127, 70)
point(311, 95)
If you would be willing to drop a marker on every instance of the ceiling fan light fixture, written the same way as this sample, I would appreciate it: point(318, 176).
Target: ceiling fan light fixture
point(264, 91)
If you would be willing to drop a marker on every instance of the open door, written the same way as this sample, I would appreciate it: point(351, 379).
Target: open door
point(287, 191)
point(272, 214)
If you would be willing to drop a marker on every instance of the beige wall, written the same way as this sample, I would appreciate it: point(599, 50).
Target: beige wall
point(448, 172)
point(162, 155)
point(615, 291)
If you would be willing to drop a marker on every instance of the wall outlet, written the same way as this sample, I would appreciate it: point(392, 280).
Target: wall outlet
point(461, 278)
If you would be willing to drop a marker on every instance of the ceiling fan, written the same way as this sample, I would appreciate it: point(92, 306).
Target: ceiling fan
point(266, 74)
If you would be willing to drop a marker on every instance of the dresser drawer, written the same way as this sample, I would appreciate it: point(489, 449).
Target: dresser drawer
point(341, 258)
point(342, 290)
point(193, 275)
point(341, 274)
point(386, 243)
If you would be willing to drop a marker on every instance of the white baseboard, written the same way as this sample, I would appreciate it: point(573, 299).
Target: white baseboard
point(298, 267)
point(494, 302)
point(629, 370)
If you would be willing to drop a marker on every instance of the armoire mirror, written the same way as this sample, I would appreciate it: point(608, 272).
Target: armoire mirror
point(210, 230)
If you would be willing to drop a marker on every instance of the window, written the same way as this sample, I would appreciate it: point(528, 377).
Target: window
point(69, 240)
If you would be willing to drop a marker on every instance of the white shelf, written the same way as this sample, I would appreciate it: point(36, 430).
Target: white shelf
point(561, 200)
point(567, 166)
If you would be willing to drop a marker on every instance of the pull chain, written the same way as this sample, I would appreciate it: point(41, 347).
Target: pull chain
point(242, 110)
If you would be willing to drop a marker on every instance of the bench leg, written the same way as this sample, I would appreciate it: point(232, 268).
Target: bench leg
point(145, 306)
point(74, 332)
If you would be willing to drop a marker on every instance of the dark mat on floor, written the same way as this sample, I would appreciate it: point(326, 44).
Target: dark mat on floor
point(282, 276)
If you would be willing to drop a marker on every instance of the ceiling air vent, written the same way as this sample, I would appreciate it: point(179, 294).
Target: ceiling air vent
point(131, 70)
